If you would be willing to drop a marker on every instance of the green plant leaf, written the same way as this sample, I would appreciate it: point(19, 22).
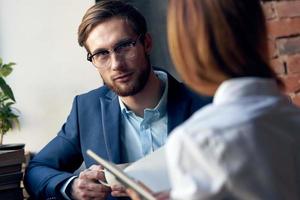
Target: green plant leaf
point(3, 97)
point(8, 114)
point(10, 64)
point(6, 89)
point(5, 70)
point(9, 104)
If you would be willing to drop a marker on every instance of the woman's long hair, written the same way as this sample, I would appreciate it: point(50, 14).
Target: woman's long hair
point(227, 36)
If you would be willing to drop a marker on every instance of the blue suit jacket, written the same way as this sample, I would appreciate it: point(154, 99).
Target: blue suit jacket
point(94, 124)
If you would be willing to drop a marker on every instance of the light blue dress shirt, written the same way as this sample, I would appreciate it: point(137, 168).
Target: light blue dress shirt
point(141, 136)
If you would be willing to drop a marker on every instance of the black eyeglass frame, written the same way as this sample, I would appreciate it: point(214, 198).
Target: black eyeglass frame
point(128, 43)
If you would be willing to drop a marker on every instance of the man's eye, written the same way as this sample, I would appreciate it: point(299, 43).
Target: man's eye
point(123, 46)
point(101, 54)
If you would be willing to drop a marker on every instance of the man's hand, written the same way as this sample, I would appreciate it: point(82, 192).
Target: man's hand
point(118, 191)
point(87, 185)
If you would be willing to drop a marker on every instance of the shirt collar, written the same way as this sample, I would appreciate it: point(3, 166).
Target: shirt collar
point(236, 88)
point(161, 107)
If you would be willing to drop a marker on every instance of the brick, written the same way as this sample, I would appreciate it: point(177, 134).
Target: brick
point(269, 10)
point(278, 66)
point(286, 9)
point(283, 27)
point(272, 49)
point(292, 83)
point(296, 100)
point(289, 45)
point(293, 64)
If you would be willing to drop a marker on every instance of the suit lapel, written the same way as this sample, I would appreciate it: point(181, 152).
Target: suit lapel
point(110, 111)
point(178, 104)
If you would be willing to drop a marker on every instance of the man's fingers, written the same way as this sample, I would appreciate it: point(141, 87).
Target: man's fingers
point(119, 194)
point(96, 167)
point(92, 175)
point(87, 189)
point(99, 187)
point(118, 191)
point(118, 188)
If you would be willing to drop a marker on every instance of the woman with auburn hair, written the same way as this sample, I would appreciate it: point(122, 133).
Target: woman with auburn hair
point(247, 145)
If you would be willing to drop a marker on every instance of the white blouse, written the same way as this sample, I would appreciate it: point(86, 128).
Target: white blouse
point(245, 145)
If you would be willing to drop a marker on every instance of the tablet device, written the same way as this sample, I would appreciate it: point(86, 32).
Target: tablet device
point(121, 176)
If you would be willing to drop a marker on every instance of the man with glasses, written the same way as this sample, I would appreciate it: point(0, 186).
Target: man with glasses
point(122, 121)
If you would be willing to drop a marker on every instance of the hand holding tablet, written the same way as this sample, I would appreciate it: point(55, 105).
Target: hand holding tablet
point(121, 176)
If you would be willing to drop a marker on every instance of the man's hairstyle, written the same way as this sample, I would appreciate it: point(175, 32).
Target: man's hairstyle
point(226, 35)
point(107, 9)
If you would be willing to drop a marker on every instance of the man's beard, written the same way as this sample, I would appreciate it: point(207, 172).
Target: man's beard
point(134, 87)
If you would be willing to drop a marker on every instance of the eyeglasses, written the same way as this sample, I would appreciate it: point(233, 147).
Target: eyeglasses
point(124, 49)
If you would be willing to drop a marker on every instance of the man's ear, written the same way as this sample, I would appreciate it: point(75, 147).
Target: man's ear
point(148, 43)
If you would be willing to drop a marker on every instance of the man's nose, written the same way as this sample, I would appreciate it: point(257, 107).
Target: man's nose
point(116, 61)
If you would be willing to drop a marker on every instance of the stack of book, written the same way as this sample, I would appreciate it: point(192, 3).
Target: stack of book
point(11, 174)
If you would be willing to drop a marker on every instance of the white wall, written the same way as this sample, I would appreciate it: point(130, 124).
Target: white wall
point(41, 37)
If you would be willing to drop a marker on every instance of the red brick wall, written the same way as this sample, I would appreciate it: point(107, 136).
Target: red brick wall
point(283, 22)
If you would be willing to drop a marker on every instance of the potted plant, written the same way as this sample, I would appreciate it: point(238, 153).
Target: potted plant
point(8, 114)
